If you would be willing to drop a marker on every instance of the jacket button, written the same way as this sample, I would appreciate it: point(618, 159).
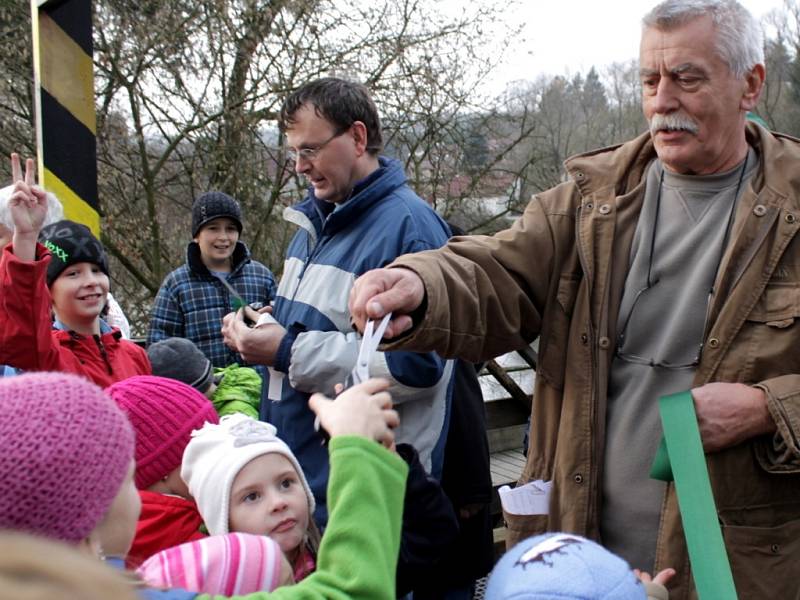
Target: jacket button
point(578, 478)
point(760, 210)
point(713, 343)
point(790, 218)
point(774, 548)
point(584, 339)
point(604, 342)
point(605, 209)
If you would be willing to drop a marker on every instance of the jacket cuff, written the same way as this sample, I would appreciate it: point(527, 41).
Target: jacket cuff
point(783, 403)
point(283, 359)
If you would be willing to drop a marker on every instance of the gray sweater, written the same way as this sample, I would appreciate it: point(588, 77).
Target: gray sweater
point(665, 325)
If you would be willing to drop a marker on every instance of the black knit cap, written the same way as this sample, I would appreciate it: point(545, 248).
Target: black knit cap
point(213, 205)
point(71, 243)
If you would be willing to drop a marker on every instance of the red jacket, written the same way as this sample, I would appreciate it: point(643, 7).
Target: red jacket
point(165, 521)
point(29, 342)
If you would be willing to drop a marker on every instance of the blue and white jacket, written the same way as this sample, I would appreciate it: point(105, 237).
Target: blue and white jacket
point(382, 219)
point(192, 302)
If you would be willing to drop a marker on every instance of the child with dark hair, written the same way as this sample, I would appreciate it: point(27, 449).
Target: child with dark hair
point(65, 275)
point(193, 298)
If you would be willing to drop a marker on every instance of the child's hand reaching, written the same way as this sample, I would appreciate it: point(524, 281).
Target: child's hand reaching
point(28, 202)
point(364, 409)
point(662, 577)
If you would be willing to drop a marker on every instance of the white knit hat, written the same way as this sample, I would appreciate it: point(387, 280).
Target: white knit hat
point(216, 454)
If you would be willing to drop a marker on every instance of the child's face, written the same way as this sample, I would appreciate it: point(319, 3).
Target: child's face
point(79, 293)
point(117, 529)
point(267, 498)
point(217, 240)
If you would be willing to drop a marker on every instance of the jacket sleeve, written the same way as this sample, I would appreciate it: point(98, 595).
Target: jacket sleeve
point(485, 295)
point(317, 360)
point(783, 402)
point(166, 317)
point(26, 338)
point(430, 525)
point(358, 554)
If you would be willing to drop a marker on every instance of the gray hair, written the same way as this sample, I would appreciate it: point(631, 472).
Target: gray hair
point(740, 40)
point(55, 212)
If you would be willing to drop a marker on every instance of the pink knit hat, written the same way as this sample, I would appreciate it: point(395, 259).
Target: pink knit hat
point(64, 451)
point(163, 413)
point(230, 564)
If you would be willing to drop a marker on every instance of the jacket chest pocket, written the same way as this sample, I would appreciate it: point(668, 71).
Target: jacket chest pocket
point(770, 335)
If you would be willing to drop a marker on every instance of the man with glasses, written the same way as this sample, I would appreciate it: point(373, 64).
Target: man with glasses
point(668, 263)
point(359, 214)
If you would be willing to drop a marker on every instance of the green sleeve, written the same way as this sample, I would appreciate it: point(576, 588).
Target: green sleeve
point(358, 555)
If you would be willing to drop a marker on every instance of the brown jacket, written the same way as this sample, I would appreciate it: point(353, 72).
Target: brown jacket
point(558, 273)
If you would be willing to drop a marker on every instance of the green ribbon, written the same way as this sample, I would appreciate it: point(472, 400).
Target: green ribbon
point(681, 455)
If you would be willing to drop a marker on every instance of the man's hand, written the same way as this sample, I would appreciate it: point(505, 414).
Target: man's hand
point(381, 291)
point(257, 346)
point(364, 409)
point(730, 413)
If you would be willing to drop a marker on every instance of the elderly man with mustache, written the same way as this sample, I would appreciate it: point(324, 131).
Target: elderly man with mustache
point(668, 263)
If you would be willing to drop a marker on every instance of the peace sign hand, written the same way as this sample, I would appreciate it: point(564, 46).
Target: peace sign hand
point(28, 202)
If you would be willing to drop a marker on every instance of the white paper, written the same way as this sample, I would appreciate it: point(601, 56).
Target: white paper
point(533, 498)
point(265, 319)
point(274, 392)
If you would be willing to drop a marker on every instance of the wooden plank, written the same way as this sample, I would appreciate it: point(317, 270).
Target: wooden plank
point(509, 384)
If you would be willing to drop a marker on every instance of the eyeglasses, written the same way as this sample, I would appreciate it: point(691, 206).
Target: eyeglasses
point(311, 153)
point(650, 283)
point(652, 362)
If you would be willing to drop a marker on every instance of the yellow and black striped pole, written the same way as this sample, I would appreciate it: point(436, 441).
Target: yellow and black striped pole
point(65, 115)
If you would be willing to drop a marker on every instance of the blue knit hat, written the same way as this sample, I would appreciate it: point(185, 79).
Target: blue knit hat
point(562, 566)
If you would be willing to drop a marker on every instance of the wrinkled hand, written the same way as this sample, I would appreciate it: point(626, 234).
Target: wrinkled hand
point(28, 202)
point(381, 291)
point(257, 346)
point(364, 409)
point(661, 578)
point(730, 413)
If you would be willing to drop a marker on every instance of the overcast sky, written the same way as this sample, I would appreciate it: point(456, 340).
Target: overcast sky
point(572, 35)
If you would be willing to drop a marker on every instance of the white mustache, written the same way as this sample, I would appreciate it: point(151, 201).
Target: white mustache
point(673, 122)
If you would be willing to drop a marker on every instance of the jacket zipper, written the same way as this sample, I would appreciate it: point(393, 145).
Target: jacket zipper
point(101, 347)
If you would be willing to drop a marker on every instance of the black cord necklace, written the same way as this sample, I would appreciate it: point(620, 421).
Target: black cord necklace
point(650, 282)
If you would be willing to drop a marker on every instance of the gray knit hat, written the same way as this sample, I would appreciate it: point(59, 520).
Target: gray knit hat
point(213, 205)
point(179, 358)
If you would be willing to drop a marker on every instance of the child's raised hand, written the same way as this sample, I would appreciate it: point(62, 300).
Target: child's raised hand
point(28, 202)
point(364, 409)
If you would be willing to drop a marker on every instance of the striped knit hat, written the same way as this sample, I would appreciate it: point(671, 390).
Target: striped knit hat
point(163, 412)
point(230, 564)
point(65, 449)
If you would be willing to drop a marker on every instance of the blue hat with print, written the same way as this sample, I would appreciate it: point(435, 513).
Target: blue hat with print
point(562, 566)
